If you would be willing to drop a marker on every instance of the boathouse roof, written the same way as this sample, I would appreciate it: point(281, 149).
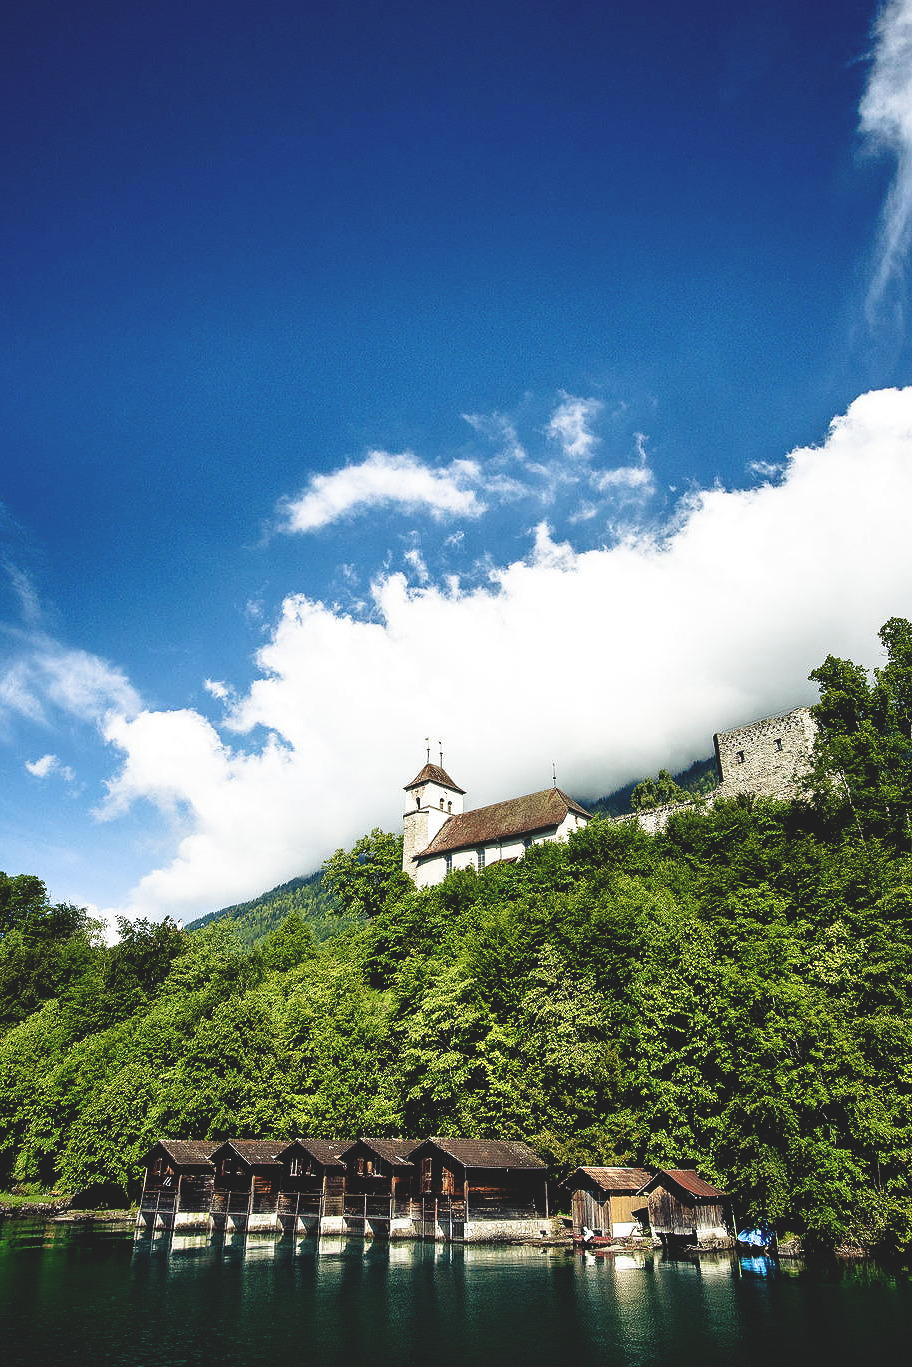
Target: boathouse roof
point(326, 1152)
point(253, 1152)
point(688, 1180)
point(185, 1153)
point(397, 1152)
point(487, 1153)
point(614, 1179)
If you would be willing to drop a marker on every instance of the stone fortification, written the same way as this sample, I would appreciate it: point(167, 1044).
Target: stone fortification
point(766, 758)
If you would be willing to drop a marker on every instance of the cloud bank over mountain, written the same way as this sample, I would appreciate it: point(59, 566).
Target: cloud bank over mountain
point(613, 661)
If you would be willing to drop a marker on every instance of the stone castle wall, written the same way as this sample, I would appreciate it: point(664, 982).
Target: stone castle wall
point(767, 758)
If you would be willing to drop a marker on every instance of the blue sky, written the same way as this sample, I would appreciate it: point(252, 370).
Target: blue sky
point(398, 370)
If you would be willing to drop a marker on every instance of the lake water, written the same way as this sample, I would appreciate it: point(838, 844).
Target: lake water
point(89, 1296)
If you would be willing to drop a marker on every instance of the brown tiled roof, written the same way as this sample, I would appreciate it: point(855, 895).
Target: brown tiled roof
point(186, 1152)
point(687, 1179)
point(325, 1151)
point(615, 1179)
point(252, 1151)
point(432, 773)
point(488, 1153)
point(398, 1152)
point(504, 821)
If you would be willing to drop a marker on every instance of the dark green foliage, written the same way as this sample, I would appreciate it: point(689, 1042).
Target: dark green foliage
point(734, 993)
point(307, 897)
point(657, 792)
point(364, 878)
point(696, 780)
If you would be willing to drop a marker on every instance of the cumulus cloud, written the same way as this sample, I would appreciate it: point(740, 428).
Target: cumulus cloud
point(614, 661)
point(216, 689)
point(385, 479)
point(571, 426)
point(885, 118)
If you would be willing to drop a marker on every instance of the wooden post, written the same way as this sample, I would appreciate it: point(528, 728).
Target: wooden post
point(142, 1198)
point(546, 1197)
point(465, 1193)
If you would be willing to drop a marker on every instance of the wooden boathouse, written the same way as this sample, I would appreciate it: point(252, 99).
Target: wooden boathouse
point(684, 1210)
point(379, 1185)
point(178, 1185)
point(312, 1186)
point(246, 1183)
point(607, 1203)
point(480, 1189)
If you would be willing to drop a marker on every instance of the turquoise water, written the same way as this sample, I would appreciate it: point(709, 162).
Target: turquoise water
point(90, 1296)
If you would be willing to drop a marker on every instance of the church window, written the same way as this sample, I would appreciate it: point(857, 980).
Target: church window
point(417, 799)
point(441, 804)
point(481, 858)
point(527, 841)
point(449, 806)
point(449, 863)
point(739, 757)
point(778, 743)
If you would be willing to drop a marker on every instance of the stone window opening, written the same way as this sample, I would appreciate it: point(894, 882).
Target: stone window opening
point(449, 806)
point(778, 742)
point(441, 804)
point(739, 757)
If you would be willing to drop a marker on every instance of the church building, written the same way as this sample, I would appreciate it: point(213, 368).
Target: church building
point(440, 836)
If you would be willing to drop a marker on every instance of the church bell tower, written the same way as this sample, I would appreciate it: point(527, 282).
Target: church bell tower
point(431, 799)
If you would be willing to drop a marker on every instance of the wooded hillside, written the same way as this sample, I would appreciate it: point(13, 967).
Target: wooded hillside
point(733, 994)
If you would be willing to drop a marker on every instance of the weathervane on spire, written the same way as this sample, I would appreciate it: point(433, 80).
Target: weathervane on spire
point(553, 774)
point(440, 743)
point(427, 746)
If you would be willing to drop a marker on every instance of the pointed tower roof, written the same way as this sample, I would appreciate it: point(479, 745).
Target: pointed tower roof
point(432, 773)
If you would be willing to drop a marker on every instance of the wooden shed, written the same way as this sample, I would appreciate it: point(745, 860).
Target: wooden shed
point(501, 1177)
point(247, 1176)
point(685, 1209)
point(607, 1203)
point(313, 1165)
point(380, 1168)
point(179, 1176)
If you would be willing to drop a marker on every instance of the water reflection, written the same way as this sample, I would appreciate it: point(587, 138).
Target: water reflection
point(68, 1295)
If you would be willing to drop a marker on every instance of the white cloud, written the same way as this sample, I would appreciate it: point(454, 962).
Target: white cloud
point(217, 689)
point(570, 425)
point(40, 676)
point(50, 764)
point(633, 481)
point(886, 120)
point(385, 478)
point(415, 560)
point(766, 469)
point(613, 661)
point(501, 430)
point(40, 768)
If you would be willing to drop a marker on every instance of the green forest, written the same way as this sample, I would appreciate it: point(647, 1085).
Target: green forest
point(733, 994)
